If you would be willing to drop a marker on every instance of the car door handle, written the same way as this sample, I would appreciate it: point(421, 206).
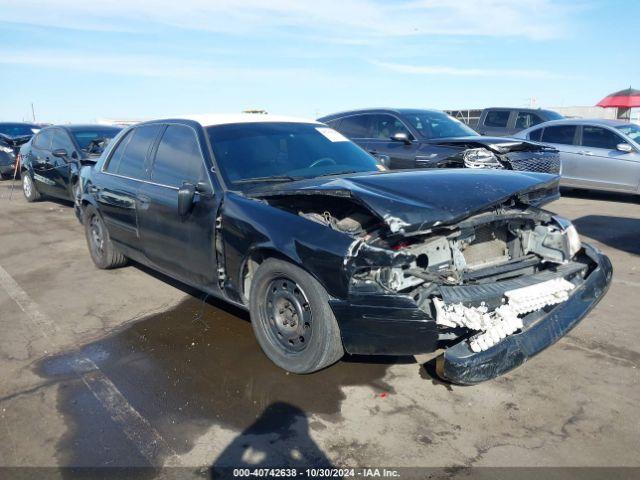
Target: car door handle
point(587, 152)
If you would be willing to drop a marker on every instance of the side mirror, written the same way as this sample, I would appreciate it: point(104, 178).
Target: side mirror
point(401, 137)
point(624, 147)
point(186, 194)
point(383, 159)
point(60, 153)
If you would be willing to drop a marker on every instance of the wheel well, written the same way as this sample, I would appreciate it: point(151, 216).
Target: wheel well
point(250, 266)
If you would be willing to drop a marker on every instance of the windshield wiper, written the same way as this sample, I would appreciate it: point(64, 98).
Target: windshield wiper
point(346, 172)
point(281, 178)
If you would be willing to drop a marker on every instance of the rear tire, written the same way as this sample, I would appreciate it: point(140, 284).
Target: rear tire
point(29, 188)
point(292, 319)
point(103, 252)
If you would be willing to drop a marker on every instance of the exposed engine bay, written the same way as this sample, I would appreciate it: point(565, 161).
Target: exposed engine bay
point(478, 278)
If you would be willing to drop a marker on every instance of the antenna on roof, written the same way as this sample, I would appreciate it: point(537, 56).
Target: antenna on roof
point(33, 113)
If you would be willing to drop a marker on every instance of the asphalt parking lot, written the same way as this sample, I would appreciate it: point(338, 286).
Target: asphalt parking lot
point(129, 368)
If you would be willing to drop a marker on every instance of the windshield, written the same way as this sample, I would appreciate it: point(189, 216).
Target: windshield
point(251, 153)
point(438, 125)
point(18, 129)
point(631, 130)
point(86, 137)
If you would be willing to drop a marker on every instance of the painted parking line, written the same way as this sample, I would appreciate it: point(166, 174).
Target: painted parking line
point(137, 429)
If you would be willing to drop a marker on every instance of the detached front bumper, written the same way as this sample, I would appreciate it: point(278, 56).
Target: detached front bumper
point(459, 364)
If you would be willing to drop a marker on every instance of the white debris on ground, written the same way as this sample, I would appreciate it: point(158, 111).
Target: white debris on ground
point(504, 320)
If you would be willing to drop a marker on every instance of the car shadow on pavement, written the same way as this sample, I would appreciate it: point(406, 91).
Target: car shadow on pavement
point(189, 371)
point(279, 438)
point(621, 233)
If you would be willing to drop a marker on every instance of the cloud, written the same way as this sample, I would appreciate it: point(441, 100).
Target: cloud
point(465, 72)
point(351, 20)
point(141, 66)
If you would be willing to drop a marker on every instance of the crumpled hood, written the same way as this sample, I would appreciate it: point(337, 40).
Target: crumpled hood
point(416, 200)
point(14, 141)
point(495, 144)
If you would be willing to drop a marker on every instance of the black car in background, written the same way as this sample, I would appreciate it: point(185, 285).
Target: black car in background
point(50, 162)
point(331, 252)
point(508, 121)
point(412, 138)
point(12, 136)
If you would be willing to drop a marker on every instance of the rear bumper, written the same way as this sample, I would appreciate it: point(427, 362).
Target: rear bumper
point(460, 365)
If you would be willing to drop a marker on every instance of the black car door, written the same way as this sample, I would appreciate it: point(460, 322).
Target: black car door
point(183, 246)
point(39, 157)
point(59, 169)
point(400, 154)
point(120, 180)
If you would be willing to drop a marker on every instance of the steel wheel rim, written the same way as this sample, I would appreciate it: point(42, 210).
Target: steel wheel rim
point(26, 185)
point(287, 315)
point(96, 233)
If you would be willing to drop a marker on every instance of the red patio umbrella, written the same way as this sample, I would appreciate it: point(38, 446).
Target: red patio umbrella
point(629, 98)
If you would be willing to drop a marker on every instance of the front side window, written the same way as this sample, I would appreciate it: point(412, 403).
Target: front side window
point(527, 120)
point(178, 159)
point(598, 137)
point(438, 125)
point(562, 134)
point(43, 140)
point(383, 127)
point(356, 126)
point(248, 154)
point(497, 118)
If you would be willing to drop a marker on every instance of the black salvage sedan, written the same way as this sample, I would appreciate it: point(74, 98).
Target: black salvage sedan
point(12, 136)
point(50, 162)
point(332, 253)
point(412, 138)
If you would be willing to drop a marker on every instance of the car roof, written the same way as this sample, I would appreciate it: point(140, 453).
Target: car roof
point(397, 111)
point(583, 121)
point(83, 126)
point(20, 123)
point(209, 120)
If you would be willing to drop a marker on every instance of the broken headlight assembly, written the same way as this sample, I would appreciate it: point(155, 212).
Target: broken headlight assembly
point(573, 240)
point(481, 158)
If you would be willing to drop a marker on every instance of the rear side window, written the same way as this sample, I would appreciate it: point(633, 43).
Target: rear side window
point(356, 126)
point(527, 120)
point(536, 135)
point(116, 156)
point(598, 137)
point(497, 118)
point(562, 134)
point(43, 140)
point(132, 163)
point(178, 159)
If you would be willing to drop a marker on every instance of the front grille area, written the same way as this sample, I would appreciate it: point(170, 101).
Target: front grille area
point(540, 162)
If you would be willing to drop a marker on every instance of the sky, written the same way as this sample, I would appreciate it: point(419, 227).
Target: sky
point(80, 60)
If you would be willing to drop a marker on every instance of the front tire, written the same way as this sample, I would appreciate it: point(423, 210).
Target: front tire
point(29, 188)
point(103, 252)
point(292, 319)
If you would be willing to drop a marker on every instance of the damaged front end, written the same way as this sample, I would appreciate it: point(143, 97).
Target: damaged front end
point(491, 289)
point(489, 278)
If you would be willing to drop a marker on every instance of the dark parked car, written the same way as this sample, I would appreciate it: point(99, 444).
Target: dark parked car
point(507, 121)
point(409, 138)
point(12, 136)
point(331, 253)
point(50, 162)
